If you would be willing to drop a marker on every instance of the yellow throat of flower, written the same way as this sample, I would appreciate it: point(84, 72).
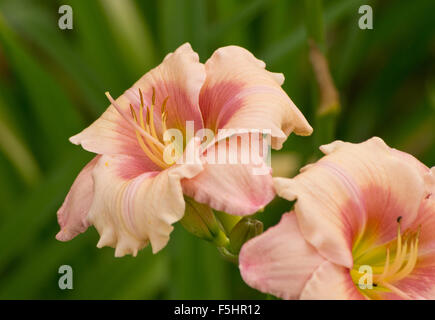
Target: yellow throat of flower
point(387, 264)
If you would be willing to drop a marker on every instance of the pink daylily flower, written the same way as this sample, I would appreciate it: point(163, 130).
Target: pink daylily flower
point(130, 193)
point(361, 205)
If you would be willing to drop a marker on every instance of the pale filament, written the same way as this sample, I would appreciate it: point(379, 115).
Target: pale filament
point(404, 261)
point(399, 263)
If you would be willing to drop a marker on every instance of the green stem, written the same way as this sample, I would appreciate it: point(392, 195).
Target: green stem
point(227, 255)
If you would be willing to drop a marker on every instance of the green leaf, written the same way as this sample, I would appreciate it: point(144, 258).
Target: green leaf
point(52, 111)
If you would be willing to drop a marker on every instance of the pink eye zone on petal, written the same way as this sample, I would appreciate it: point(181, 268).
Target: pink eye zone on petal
point(224, 94)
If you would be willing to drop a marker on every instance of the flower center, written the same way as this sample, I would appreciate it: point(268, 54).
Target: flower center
point(153, 150)
point(145, 129)
point(388, 264)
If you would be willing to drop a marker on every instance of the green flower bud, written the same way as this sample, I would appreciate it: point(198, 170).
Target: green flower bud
point(246, 229)
point(200, 220)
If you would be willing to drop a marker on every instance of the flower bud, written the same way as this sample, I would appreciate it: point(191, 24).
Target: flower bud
point(246, 229)
point(200, 220)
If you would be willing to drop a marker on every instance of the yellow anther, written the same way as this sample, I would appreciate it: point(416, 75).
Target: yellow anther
point(142, 124)
point(153, 98)
point(141, 99)
point(151, 123)
point(133, 113)
point(164, 105)
point(148, 116)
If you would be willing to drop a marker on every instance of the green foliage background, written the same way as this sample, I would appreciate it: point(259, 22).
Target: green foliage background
point(52, 85)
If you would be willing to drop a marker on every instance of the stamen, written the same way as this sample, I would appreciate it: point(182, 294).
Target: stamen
point(149, 153)
point(134, 124)
point(402, 265)
point(405, 260)
point(141, 98)
point(164, 117)
point(145, 126)
point(410, 264)
point(164, 105)
point(153, 97)
point(141, 117)
point(400, 257)
point(387, 264)
point(145, 130)
point(143, 145)
point(147, 117)
point(151, 123)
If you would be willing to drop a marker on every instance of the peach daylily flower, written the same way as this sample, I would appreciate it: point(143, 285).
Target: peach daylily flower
point(130, 194)
point(361, 205)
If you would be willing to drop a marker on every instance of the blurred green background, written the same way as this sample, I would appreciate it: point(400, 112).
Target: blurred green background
point(52, 85)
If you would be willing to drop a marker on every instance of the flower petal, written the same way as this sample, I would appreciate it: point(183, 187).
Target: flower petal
point(74, 210)
point(330, 282)
point(240, 183)
point(130, 213)
point(279, 261)
point(426, 222)
point(354, 188)
point(427, 174)
point(420, 284)
point(240, 93)
point(179, 77)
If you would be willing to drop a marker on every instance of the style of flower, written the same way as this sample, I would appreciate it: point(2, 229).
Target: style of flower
point(131, 193)
point(362, 228)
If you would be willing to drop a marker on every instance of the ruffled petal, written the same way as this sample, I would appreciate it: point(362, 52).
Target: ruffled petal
point(355, 189)
point(279, 261)
point(427, 173)
point(235, 179)
point(129, 213)
point(74, 210)
point(179, 78)
point(426, 222)
point(240, 93)
point(331, 282)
